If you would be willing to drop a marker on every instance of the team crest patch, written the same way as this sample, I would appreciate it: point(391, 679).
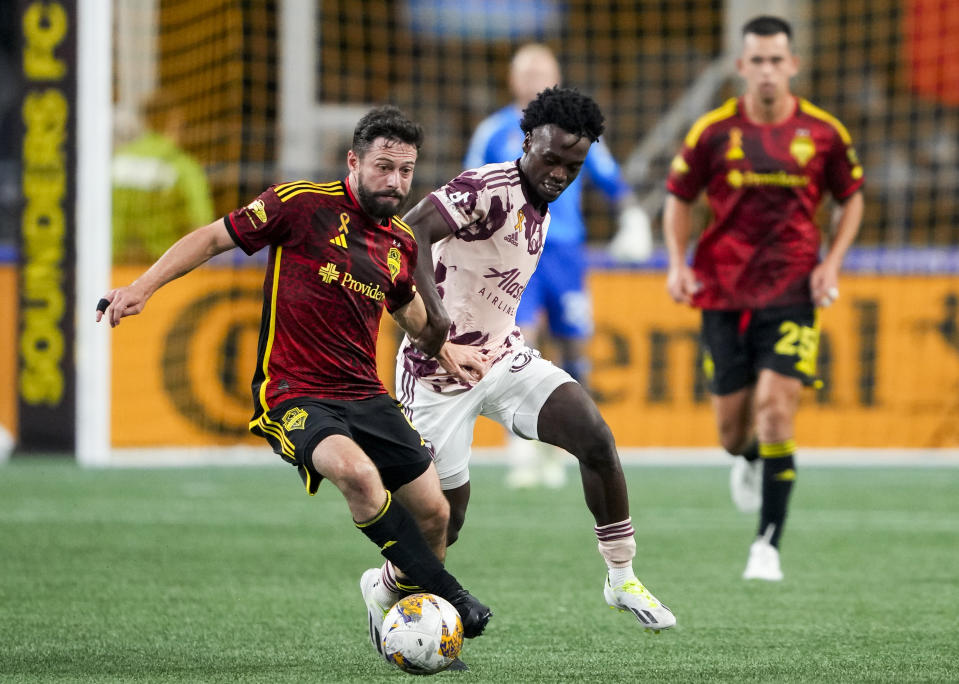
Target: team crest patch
point(393, 262)
point(802, 148)
point(258, 209)
point(294, 419)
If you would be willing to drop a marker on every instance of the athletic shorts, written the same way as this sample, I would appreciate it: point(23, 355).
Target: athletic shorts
point(738, 344)
point(294, 428)
point(511, 393)
point(558, 287)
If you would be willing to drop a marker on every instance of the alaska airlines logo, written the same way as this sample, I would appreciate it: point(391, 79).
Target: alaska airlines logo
point(393, 263)
point(294, 419)
point(331, 274)
point(257, 209)
point(508, 281)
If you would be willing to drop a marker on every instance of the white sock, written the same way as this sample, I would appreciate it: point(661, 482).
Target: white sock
point(383, 592)
point(620, 576)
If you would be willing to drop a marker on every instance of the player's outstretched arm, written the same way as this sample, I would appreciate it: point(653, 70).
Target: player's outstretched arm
point(429, 226)
point(426, 337)
point(467, 364)
point(187, 253)
point(464, 362)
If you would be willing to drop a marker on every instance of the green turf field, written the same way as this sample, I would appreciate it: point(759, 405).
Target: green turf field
point(213, 574)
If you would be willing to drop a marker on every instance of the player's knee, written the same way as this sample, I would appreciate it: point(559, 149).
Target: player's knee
point(774, 419)
point(357, 479)
point(595, 447)
point(434, 518)
point(734, 436)
point(734, 442)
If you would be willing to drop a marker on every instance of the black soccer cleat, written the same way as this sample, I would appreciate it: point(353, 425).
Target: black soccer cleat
point(458, 666)
point(473, 613)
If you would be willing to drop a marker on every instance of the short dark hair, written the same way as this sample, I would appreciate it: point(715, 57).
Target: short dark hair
point(567, 108)
point(385, 121)
point(768, 25)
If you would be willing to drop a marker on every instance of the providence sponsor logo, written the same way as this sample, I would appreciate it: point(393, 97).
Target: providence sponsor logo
point(739, 179)
point(329, 274)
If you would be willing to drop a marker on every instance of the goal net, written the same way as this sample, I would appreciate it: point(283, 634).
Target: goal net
point(214, 101)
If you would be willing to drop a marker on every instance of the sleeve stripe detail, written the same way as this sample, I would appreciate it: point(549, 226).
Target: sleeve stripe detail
point(812, 110)
point(403, 226)
point(290, 190)
point(727, 110)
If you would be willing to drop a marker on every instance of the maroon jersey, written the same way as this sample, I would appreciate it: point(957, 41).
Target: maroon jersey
point(331, 270)
point(763, 183)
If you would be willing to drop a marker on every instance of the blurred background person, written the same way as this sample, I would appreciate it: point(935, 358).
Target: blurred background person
point(160, 192)
point(556, 300)
point(765, 161)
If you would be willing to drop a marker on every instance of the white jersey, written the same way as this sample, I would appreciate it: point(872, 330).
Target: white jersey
point(496, 238)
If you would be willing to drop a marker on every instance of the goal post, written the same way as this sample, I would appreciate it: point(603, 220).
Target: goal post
point(93, 265)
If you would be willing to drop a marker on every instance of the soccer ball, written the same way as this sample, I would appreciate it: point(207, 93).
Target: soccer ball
point(422, 634)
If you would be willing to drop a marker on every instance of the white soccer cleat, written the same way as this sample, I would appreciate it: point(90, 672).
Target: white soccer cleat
point(636, 599)
point(763, 563)
point(376, 611)
point(746, 484)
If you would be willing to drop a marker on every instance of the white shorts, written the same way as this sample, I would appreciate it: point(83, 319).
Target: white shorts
point(511, 393)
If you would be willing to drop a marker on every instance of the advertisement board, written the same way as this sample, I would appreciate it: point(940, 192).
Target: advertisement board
point(889, 364)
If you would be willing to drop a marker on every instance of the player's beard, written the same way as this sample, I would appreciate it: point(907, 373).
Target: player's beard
point(375, 206)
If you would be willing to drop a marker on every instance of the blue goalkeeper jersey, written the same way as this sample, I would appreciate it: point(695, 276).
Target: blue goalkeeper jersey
point(498, 138)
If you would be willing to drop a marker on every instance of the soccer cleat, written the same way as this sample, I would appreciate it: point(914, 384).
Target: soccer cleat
point(746, 483)
point(635, 598)
point(376, 611)
point(473, 613)
point(458, 666)
point(763, 562)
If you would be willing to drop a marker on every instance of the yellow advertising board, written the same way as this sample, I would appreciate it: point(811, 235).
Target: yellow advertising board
point(889, 364)
point(8, 347)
